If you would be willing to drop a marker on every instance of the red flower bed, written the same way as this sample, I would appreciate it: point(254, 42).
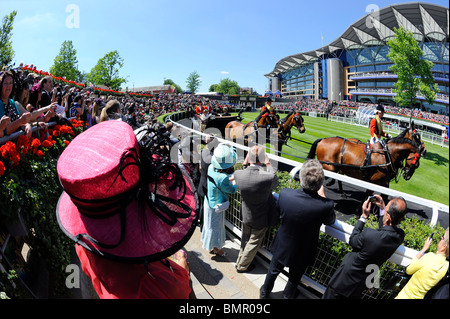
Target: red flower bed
point(11, 153)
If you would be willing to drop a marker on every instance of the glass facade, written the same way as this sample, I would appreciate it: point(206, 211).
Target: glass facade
point(364, 56)
point(298, 81)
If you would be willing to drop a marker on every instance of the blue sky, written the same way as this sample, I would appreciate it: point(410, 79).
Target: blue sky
point(158, 39)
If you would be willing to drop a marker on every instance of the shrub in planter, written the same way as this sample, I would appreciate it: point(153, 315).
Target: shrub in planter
point(30, 182)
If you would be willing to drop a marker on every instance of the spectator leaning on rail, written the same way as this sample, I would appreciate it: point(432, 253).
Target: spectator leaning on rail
point(220, 184)
point(48, 91)
point(256, 186)
point(370, 247)
point(302, 212)
point(427, 269)
point(9, 108)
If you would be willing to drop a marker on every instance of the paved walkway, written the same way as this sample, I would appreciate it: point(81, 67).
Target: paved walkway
point(215, 277)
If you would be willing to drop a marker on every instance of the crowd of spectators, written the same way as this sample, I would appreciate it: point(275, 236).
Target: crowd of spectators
point(349, 108)
point(28, 100)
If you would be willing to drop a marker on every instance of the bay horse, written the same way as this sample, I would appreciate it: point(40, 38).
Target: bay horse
point(235, 130)
point(378, 166)
point(294, 118)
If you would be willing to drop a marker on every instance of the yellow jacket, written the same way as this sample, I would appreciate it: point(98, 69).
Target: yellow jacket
point(426, 273)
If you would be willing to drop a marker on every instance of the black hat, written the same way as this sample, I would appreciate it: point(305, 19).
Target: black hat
point(269, 99)
point(380, 108)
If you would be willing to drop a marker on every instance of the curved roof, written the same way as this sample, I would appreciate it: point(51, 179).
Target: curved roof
point(376, 28)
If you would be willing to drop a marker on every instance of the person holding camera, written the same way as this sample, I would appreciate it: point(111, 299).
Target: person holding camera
point(370, 247)
point(302, 213)
point(256, 186)
point(427, 269)
point(77, 107)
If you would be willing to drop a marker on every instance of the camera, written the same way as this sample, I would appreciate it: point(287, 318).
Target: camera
point(372, 199)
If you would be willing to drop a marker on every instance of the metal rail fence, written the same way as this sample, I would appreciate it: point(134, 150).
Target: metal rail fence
point(333, 243)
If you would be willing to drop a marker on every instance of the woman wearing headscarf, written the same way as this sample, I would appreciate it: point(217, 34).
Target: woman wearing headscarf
point(220, 184)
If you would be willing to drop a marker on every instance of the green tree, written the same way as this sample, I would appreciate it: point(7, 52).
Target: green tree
point(193, 82)
point(227, 86)
point(414, 73)
point(66, 63)
point(177, 87)
point(213, 87)
point(6, 50)
point(106, 71)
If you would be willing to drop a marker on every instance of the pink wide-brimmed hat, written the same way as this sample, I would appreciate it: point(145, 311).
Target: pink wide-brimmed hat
point(111, 207)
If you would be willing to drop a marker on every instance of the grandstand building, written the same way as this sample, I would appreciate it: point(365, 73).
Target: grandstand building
point(356, 67)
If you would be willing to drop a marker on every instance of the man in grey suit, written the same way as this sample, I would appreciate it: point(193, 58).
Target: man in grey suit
point(255, 185)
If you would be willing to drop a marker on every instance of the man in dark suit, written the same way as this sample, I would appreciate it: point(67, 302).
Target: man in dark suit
point(302, 212)
point(47, 87)
point(205, 161)
point(256, 186)
point(370, 247)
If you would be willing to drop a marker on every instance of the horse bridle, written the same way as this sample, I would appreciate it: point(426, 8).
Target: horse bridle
point(421, 145)
point(298, 117)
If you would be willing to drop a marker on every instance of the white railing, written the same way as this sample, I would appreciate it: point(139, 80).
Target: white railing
point(340, 230)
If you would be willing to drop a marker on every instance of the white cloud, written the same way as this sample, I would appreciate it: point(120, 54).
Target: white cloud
point(39, 21)
point(224, 72)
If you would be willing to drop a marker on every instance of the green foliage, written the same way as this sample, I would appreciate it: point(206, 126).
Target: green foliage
point(66, 63)
point(332, 251)
point(286, 181)
point(213, 88)
point(414, 72)
point(106, 71)
point(177, 87)
point(193, 82)
point(34, 187)
point(6, 50)
point(226, 86)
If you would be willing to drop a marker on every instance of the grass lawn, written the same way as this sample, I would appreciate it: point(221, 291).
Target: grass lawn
point(430, 180)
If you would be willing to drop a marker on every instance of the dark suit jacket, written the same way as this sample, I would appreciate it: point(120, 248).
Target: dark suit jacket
point(46, 99)
point(301, 214)
point(256, 188)
point(204, 164)
point(370, 246)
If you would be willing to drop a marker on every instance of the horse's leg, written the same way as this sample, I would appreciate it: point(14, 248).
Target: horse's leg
point(331, 181)
point(341, 190)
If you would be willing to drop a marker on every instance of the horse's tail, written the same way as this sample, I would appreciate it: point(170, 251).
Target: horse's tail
point(312, 151)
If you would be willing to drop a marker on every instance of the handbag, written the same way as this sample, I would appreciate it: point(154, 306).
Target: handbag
point(221, 207)
point(396, 282)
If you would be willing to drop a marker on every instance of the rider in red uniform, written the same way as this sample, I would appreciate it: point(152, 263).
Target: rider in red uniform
point(266, 109)
point(376, 127)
